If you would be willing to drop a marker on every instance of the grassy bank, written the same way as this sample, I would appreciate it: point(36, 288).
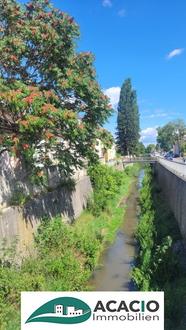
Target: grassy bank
point(160, 260)
point(66, 255)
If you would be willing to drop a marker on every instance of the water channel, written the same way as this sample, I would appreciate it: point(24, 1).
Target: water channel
point(114, 274)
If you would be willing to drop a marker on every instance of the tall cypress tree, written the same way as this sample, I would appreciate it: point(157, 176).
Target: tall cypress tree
point(128, 120)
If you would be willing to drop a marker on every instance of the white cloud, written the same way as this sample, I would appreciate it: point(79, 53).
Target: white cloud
point(113, 93)
point(175, 52)
point(107, 3)
point(122, 12)
point(157, 115)
point(149, 135)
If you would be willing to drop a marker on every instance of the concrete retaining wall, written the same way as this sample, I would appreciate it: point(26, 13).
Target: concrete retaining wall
point(14, 179)
point(22, 222)
point(174, 189)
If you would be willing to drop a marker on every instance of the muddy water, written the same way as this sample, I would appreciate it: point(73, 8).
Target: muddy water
point(118, 259)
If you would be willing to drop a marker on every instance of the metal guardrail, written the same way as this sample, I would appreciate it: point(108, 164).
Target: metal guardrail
point(139, 159)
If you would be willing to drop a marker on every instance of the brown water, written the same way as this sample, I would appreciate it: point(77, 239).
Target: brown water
point(118, 259)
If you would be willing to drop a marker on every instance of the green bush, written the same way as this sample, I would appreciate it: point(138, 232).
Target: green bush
point(106, 182)
point(64, 261)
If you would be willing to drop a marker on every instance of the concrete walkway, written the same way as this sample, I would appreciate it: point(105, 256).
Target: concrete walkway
point(175, 167)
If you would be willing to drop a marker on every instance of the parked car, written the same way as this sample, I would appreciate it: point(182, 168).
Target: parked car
point(169, 155)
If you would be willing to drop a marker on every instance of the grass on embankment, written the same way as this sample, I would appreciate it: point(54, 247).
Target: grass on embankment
point(161, 256)
point(67, 255)
point(110, 219)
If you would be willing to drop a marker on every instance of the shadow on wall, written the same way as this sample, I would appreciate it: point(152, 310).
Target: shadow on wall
point(14, 180)
point(19, 221)
point(12, 176)
point(62, 201)
point(22, 222)
point(49, 205)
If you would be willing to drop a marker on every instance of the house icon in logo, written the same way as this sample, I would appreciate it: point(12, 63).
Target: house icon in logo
point(63, 310)
point(69, 311)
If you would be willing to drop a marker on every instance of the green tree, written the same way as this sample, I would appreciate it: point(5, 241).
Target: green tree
point(171, 133)
point(140, 149)
point(183, 148)
point(127, 120)
point(150, 148)
point(106, 138)
point(50, 100)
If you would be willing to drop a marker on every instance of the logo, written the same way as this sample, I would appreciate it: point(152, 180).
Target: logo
point(65, 310)
point(92, 310)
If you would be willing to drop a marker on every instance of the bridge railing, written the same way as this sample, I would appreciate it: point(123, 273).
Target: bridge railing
point(176, 167)
point(139, 159)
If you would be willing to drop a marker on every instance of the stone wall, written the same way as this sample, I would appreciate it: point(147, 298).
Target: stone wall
point(59, 199)
point(174, 189)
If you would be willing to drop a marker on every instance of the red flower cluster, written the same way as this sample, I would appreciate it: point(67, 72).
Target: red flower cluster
point(40, 174)
point(49, 135)
point(33, 118)
point(48, 94)
point(48, 108)
point(25, 146)
point(24, 123)
point(81, 126)
point(13, 58)
point(29, 99)
point(33, 30)
point(71, 20)
point(15, 139)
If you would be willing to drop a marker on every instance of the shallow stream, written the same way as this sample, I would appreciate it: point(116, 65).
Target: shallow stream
point(117, 261)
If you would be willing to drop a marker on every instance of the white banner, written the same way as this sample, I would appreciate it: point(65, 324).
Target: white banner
point(92, 310)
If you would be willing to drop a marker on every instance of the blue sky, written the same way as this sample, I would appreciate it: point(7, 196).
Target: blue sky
point(144, 40)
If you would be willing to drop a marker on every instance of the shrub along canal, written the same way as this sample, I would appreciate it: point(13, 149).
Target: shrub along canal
point(114, 272)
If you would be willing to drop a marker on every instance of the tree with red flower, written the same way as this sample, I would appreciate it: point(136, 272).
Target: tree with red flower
point(46, 86)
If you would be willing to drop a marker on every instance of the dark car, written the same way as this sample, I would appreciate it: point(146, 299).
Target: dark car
point(169, 155)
